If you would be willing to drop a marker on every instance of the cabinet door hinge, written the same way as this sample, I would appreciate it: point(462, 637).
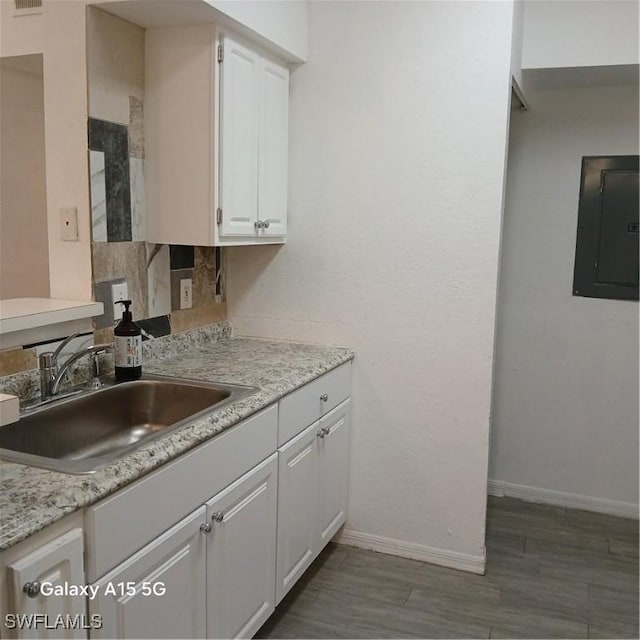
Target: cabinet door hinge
point(220, 53)
point(219, 216)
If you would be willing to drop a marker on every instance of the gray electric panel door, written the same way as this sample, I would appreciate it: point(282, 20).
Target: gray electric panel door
point(606, 263)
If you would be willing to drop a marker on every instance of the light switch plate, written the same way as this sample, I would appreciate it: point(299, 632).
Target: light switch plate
point(186, 293)
point(69, 224)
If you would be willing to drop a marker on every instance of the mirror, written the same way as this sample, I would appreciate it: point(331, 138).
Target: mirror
point(24, 247)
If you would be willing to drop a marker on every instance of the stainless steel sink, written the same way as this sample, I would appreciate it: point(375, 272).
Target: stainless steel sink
point(85, 432)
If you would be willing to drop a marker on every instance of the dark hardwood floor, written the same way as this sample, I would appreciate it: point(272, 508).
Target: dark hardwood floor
point(551, 573)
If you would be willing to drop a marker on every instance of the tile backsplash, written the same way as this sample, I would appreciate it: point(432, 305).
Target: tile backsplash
point(110, 181)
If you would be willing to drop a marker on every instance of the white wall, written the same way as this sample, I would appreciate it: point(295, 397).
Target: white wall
point(516, 42)
point(282, 22)
point(580, 33)
point(24, 251)
point(281, 26)
point(20, 36)
point(115, 65)
point(398, 136)
point(59, 34)
point(566, 390)
point(65, 100)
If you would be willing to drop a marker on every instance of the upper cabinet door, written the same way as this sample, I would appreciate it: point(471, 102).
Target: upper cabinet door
point(273, 148)
point(239, 117)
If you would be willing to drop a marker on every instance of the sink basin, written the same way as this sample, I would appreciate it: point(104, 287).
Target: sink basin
point(85, 432)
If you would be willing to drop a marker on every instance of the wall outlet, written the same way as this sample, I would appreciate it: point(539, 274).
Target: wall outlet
point(69, 224)
point(119, 292)
point(186, 293)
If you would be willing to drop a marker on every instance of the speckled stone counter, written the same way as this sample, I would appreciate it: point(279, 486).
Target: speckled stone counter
point(32, 498)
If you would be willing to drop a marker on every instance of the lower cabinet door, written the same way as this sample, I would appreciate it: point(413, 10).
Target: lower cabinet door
point(297, 508)
point(333, 482)
point(241, 553)
point(160, 591)
point(32, 581)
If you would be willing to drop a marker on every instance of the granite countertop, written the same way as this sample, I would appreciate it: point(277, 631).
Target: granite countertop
point(33, 498)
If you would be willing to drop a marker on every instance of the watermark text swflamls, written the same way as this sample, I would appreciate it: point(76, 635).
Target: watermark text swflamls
point(65, 621)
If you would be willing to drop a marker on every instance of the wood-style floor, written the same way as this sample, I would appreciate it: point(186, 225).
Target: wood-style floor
point(551, 573)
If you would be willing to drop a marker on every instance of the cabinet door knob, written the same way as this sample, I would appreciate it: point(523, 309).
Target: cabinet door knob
point(205, 527)
point(320, 433)
point(324, 397)
point(265, 224)
point(32, 589)
point(258, 224)
point(327, 430)
point(217, 516)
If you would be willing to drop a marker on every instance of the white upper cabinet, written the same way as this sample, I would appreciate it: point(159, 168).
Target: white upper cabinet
point(216, 135)
point(254, 123)
point(239, 116)
point(273, 148)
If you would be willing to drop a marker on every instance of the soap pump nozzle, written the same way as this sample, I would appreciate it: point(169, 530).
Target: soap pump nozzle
point(126, 314)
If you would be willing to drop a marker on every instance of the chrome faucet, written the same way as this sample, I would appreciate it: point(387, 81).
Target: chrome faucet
point(51, 375)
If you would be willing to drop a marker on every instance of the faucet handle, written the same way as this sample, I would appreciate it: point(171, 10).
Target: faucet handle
point(95, 370)
point(103, 347)
point(95, 363)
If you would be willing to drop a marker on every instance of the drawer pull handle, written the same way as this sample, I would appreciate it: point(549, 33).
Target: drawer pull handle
point(32, 589)
point(217, 516)
point(320, 433)
point(205, 527)
point(324, 397)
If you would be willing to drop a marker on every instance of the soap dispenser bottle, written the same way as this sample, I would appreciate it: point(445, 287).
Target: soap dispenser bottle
point(128, 346)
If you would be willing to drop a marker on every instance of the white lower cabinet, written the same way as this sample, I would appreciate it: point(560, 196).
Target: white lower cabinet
point(280, 490)
point(297, 498)
point(241, 554)
point(313, 478)
point(160, 591)
point(211, 575)
point(30, 582)
point(333, 473)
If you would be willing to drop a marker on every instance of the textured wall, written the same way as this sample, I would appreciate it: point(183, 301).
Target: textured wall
point(282, 23)
point(566, 388)
point(398, 139)
point(582, 33)
point(24, 250)
point(59, 33)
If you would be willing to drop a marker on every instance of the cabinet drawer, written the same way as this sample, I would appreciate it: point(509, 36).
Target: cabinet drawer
point(145, 509)
point(306, 405)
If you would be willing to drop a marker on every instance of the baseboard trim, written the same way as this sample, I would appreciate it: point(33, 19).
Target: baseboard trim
point(442, 557)
point(561, 499)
